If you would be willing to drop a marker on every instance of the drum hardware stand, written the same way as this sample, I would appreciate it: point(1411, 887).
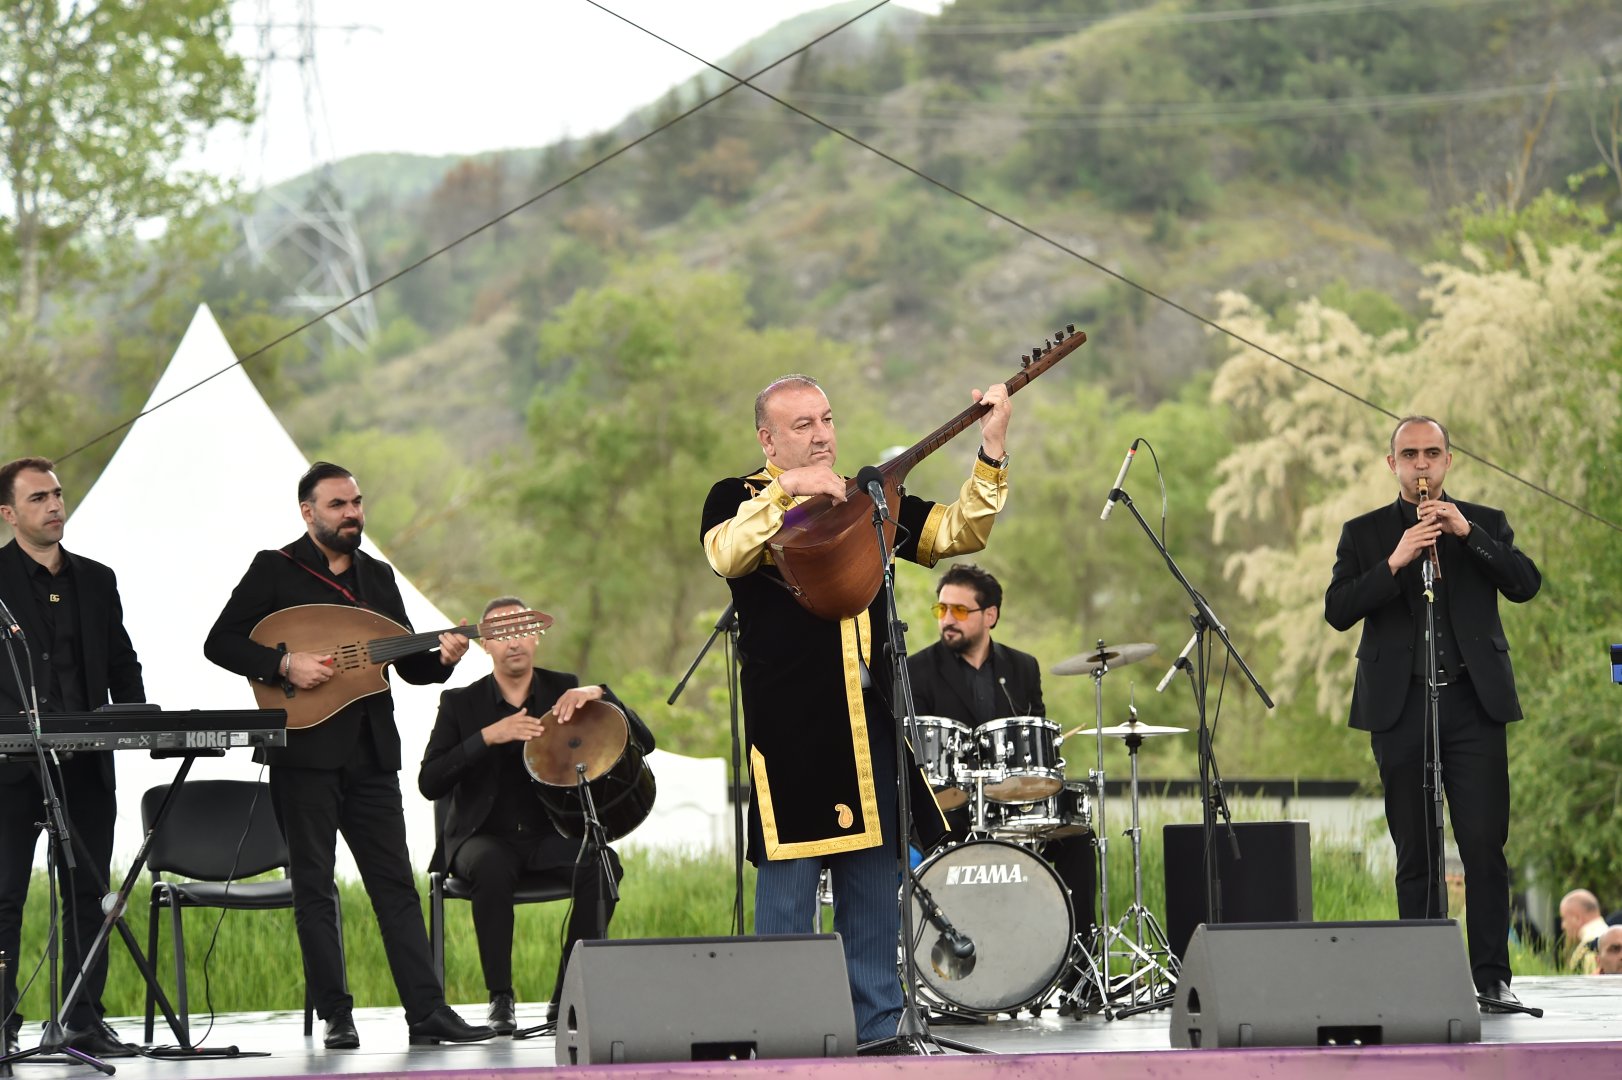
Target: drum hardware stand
point(596, 837)
point(1093, 948)
point(727, 624)
point(912, 1030)
point(1159, 968)
point(1204, 620)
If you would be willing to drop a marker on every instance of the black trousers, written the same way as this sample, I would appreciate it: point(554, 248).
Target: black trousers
point(493, 866)
point(91, 809)
point(1475, 778)
point(362, 801)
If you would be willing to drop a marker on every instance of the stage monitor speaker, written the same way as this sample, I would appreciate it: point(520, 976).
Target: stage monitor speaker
point(1325, 984)
point(706, 999)
point(1271, 882)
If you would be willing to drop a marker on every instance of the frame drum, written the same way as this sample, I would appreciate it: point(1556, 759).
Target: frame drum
point(621, 784)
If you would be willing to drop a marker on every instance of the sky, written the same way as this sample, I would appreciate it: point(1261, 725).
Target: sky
point(426, 77)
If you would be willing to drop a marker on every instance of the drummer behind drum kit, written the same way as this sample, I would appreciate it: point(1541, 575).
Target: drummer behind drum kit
point(1008, 937)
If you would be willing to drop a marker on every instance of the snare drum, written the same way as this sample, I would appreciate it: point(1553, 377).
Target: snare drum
point(1022, 755)
point(1069, 813)
point(943, 741)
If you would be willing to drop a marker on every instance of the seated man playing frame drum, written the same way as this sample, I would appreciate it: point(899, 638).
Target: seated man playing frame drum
point(497, 829)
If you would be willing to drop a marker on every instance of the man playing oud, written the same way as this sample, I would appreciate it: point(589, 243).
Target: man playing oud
point(341, 775)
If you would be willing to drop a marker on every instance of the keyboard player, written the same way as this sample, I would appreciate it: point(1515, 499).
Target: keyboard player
point(71, 622)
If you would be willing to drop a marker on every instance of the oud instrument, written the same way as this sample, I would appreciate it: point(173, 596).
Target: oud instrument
point(825, 550)
point(361, 643)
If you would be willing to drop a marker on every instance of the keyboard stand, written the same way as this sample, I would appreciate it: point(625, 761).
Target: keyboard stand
point(115, 917)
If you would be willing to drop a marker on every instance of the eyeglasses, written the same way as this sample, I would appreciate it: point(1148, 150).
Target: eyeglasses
point(959, 611)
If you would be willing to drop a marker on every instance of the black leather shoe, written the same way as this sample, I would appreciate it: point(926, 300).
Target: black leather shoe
point(341, 1033)
point(500, 1015)
point(443, 1025)
point(11, 1045)
point(99, 1041)
point(1498, 992)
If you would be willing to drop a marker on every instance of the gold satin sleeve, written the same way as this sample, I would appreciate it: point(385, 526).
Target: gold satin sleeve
point(737, 547)
point(962, 527)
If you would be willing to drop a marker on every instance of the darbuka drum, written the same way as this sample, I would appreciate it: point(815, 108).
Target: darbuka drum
point(1022, 755)
point(1012, 906)
point(598, 737)
point(942, 742)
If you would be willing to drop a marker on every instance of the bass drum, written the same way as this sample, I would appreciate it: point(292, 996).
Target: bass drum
point(599, 737)
point(1014, 909)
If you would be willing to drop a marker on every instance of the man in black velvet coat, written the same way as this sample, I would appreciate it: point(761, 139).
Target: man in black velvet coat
point(496, 829)
point(342, 775)
point(1378, 580)
point(72, 627)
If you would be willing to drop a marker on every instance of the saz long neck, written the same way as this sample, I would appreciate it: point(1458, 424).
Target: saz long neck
point(898, 467)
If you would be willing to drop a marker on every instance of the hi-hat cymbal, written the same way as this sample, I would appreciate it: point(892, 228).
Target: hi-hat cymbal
point(1112, 655)
point(1126, 731)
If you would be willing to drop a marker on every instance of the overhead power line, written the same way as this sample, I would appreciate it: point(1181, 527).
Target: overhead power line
point(741, 81)
point(1006, 23)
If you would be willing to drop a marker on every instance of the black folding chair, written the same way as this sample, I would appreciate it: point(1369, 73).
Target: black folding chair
point(203, 839)
point(538, 888)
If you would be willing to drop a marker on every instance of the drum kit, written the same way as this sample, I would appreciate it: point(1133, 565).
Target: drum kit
point(996, 891)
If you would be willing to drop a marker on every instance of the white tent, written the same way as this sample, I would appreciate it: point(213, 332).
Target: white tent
point(192, 493)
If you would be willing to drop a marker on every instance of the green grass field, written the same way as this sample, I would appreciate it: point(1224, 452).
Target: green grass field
point(255, 964)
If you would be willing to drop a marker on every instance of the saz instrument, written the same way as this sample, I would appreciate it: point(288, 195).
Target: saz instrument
point(824, 550)
point(361, 643)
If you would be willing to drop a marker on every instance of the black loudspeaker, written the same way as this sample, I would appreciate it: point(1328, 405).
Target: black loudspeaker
point(706, 999)
point(1271, 882)
point(1325, 984)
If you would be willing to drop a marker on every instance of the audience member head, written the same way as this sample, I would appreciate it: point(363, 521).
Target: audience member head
point(1578, 908)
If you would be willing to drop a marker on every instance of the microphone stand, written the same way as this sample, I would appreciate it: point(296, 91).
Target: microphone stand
point(1212, 801)
point(58, 847)
point(727, 624)
point(913, 1029)
point(596, 837)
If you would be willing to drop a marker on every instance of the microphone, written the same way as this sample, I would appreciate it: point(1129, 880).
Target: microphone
point(871, 480)
point(1002, 681)
point(1177, 664)
point(8, 622)
point(956, 941)
point(1434, 564)
point(1120, 478)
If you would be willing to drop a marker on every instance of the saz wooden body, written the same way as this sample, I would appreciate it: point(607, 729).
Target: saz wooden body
point(361, 643)
point(826, 551)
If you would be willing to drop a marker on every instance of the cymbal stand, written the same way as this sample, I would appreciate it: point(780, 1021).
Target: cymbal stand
point(1152, 982)
point(1093, 948)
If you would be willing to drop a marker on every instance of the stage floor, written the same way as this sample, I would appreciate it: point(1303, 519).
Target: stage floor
point(1580, 1034)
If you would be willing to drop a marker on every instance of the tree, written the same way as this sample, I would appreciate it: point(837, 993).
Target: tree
point(97, 103)
point(1525, 364)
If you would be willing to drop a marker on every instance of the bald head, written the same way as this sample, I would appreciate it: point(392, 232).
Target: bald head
point(1577, 908)
point(1610, 951)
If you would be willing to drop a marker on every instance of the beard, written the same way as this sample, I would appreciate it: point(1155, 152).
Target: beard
point(337, 541)
point(958, 642)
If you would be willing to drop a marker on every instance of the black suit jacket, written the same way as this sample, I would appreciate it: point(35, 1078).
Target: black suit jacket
point(458, 765)
point(1475, 572)
point(111, 671)
point(274, 582)
point(938, 688)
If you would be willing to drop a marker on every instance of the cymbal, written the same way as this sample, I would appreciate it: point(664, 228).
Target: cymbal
point(1127, 730)
point(1113, 655)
